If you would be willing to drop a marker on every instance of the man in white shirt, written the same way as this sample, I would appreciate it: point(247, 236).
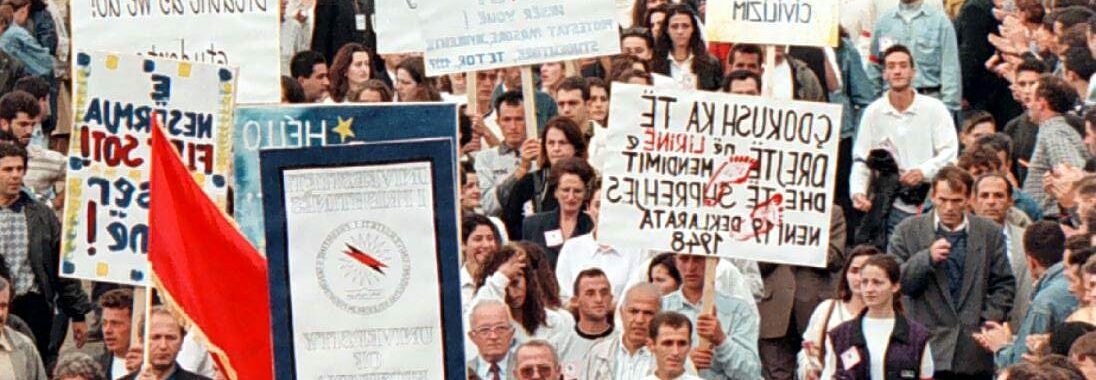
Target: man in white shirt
point(671, 340)
point(625, 355)
point(491, 331)
point(584, 252)
point(592, 302)
point(917, 130)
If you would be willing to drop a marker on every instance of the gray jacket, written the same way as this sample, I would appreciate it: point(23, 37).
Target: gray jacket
point(988, 289)
point(1024, 282)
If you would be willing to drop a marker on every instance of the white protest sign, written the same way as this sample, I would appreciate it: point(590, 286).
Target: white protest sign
point(105, 226)
point(718, 174)
point(398, 28)
point(779, 22)
point(238, 33)
point(470, 35)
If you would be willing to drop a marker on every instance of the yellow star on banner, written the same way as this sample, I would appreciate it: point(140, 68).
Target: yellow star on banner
point(344, 129)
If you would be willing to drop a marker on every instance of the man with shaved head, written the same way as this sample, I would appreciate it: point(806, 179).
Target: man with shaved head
point(625, 354)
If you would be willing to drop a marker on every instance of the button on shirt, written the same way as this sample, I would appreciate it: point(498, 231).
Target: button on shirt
point(930, 36)
point(14, 244)
point(883, 127)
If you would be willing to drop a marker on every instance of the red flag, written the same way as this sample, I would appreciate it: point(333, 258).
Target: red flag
point(204, 266)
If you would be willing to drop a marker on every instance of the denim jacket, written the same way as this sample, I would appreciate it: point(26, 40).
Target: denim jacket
point(930, 35)
point(737, 357)
point(1050, 306)
point(21, 45)
point(857, 90)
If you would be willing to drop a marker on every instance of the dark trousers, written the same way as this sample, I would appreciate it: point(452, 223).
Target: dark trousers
point(778, 355)
point(36, 311)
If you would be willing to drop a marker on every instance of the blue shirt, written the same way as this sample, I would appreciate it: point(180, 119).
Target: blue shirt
point(21, 45)
point(737, 357)
point(857, 90)
point(1050, 306)
point(1027, 204)
point(931, 37)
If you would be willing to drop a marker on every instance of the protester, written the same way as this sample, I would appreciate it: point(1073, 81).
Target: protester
point(881, 339)
point(598, 104)
point(976, 125)
point(743, 82)
point(732, 327)
point(26, 229)
point(78, 366)
point(350, 69)
point(992, 200)
point(309, 68)
point(584, 252)
point(671, 339)
point(412, 83)
point(1058, 143)
point(117, 307)
point(663, 273)
point(493, 336)
point(20, 355)
point(570, 179)
point(497, 165)
point(888, 126)
point(165, 339)
point(833, 312)
point(626, 354)
point(560, 139)
point(592, 305)
point(18, 42)
point(1083, 354)
point(681, 54)
point(976, 284)
point(1051, 302)
point(551, 74)
point(930, 39)
point(637, 42)
point(480, 241)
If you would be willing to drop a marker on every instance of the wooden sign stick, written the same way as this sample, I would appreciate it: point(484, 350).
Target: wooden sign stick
point(707, 300)
point(142, 305)
point(529, 95)
point(470, 90)
point(770, 68)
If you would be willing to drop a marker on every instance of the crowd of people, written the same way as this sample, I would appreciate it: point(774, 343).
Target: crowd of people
point(962, 234)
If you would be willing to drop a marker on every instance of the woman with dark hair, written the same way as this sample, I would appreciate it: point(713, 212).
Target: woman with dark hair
point(663, 273)
point(642, 8)
point(350, 69)
point(570, 178)
point(599, 101)
point(681, 54)
point(561, 138)
point(479, 242)
point(412, 84)
point(514, 275)
point(828, 315)
point(880, 343)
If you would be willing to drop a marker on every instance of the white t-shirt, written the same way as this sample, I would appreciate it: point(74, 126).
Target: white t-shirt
point(117, 368)
point(877, 332)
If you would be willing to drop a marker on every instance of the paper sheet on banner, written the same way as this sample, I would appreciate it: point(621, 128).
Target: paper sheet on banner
point(398, 29)
point(719, 174)
point(780, 22)
point(470, 35)
point(363, 277)
point(237, 33)
point(105, 224)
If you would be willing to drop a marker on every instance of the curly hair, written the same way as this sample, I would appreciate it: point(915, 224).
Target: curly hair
point(78, 364)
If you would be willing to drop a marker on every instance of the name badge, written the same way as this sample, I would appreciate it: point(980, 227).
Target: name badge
point(850, 358)
point(908, 374)
point(553, 238)
point(359, 22)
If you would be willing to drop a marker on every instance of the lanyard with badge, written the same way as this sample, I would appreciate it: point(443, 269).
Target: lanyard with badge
point(359, 17)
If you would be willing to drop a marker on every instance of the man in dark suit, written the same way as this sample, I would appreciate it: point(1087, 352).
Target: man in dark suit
point(165, 339)
point(955, 276)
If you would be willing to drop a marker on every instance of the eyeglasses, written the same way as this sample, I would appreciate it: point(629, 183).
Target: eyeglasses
point(496, 330)
point(529, 371)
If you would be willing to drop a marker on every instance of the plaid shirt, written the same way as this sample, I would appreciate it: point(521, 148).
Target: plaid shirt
point(14, 243)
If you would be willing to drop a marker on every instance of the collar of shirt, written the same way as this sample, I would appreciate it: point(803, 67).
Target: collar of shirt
point(622, 350)
point(20, 202)
point(506, 150)
point(6, 343)
point(962, 226)
point(485, 367)
point(686, 64)
point(911, 110)
point(908, 9)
